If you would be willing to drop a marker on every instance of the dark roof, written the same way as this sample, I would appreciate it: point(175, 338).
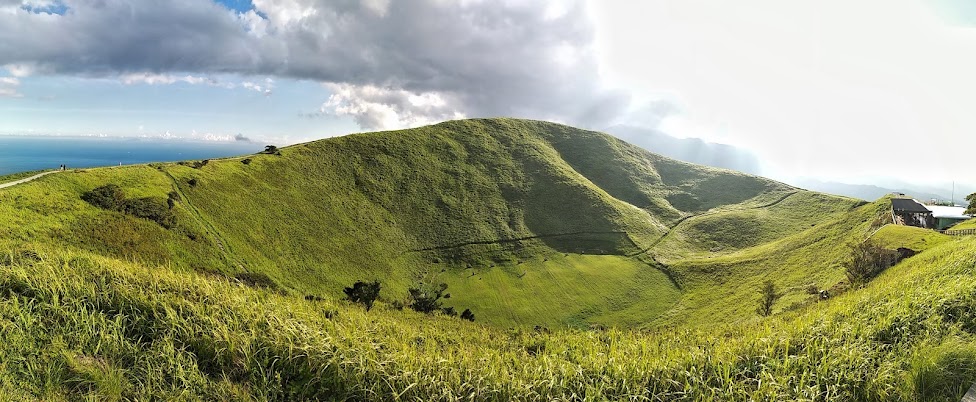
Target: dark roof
point(908, 205)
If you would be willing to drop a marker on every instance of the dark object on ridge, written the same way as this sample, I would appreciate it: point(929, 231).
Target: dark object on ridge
point(904, 253)
point(364, 293)
point(467, 315)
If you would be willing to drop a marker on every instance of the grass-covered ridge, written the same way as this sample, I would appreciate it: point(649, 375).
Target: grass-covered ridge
point(510, 213)
point(79, 325)
point(640, 272)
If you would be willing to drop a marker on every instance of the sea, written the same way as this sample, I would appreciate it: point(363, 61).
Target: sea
point(22, 153)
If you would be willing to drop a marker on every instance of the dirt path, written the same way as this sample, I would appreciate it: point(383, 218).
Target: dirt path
point(25, 180)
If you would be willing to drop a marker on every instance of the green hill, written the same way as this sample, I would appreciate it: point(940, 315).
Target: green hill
point(528, 222)
point(597, 270)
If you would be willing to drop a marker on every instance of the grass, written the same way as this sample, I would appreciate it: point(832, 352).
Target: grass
point(472, 196)
point(79, 326)
point(918, 239)
point(640, 272)
point(19, 175)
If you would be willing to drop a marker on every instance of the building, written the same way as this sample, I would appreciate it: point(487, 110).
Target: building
point(906, 211)
point(945, 216)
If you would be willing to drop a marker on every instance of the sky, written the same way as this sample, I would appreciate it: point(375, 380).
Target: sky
point(835, 90)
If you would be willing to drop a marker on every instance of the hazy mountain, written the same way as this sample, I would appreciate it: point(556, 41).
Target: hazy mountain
point(694, 150)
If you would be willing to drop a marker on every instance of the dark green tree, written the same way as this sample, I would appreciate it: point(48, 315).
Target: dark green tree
point(768, 297)
point(364, 293)
point(271, 150)
point(972, 204)
point(109, 196)
point(467, 315)
point(425, 298)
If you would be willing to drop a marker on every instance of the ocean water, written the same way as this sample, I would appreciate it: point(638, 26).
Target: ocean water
point(19, 154)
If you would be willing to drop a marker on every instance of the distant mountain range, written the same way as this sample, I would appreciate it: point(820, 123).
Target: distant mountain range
point(866, 191)
point(698, 151)
point(694, 150)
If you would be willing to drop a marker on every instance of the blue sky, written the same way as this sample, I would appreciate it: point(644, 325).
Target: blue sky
point(821, 88)
point(83, 106)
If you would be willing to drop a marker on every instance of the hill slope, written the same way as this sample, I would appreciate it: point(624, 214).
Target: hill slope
point(529, 223)
point(77, 325)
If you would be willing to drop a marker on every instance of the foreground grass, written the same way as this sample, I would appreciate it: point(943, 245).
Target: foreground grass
point(76, 325)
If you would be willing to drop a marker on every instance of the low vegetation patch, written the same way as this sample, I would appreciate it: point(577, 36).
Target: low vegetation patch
point(111, 197)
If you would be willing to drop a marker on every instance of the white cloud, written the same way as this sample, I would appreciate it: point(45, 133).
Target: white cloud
point(832, 88)
point(163, 79)
point(384, 108)
point(265, 88)
point(9, 87)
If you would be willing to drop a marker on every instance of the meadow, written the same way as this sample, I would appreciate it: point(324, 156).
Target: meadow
point(596, 270)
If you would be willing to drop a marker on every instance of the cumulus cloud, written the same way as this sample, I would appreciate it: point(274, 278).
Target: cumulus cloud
point(9, 87)
point(388, 63)
point(162, 79)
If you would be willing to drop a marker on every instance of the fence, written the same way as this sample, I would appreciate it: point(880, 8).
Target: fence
point(961, 232)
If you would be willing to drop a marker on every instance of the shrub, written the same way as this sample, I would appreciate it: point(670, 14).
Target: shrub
point(192, 182)
point(200, 164)
point(449, 311)
point(364, 293)
point(246, 161)
point(768, 297)
point(467, 315)
point(867, 260)
point(109, 196)
point(271, 150)
point(152, 209)
point(426, 298)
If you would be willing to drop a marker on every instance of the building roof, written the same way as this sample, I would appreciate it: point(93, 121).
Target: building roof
point(939, 211)
point(908, 205)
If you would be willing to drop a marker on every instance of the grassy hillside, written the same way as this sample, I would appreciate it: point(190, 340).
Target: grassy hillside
point(77, 325)
point(530, 223)
point(596, 270)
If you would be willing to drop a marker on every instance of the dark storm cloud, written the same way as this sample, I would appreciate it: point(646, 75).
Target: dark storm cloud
point(401, 61)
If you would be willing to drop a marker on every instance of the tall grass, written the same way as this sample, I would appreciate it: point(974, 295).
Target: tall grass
point(78, 325)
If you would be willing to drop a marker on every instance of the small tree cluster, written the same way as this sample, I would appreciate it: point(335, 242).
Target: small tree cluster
point(426, 298)
point(867, 260)
point(271, 150)
point(111, 197)
point(971, 210)
point(767, 297)
point(364, 293)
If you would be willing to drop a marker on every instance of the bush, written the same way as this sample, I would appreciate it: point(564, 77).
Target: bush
point(246, 161)
point(768, 297)
point(426, 298)
point(364, 293)
point(192, 182)
point(867, 260)
point(449, 311)
point(152, 209)
point(200, 164)
point(271, 150)
point(109, 196)
point(467, 315)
